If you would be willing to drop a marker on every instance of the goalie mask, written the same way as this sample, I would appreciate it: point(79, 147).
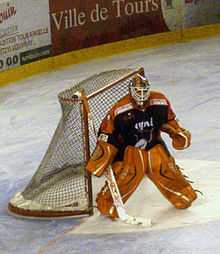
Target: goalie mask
point(139, 89)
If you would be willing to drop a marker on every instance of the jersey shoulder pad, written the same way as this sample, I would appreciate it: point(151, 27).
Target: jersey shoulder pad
point(122, 106)
point(107, 125)
point(158, 98)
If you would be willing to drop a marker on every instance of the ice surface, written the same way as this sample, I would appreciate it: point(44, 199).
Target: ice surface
point(147, 202)
point(189, 74)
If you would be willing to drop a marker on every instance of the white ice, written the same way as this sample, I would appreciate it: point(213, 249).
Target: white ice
point(148, 203)
point(189, 74)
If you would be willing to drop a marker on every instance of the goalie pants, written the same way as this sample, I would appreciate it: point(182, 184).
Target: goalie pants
point(161, 169)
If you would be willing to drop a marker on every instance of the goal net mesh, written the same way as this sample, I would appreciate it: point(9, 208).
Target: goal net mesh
point(60, 186)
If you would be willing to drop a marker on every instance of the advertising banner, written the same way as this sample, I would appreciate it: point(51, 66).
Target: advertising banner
point(80, 24)
point(181, 14)
point(173, 13)
point(31, 30)
point(24, 32)
point(201, 12)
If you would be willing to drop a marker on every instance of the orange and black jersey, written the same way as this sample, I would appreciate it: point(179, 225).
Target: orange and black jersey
point(125, 124)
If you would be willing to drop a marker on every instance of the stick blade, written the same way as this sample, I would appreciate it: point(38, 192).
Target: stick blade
point(133, 220)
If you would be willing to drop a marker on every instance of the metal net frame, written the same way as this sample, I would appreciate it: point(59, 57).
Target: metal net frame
point(61, 186)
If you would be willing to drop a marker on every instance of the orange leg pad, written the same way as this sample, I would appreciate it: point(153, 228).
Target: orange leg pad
point(167, 176)
point(128, 175)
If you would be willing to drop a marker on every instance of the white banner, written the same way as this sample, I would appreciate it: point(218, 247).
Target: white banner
point(24, 32)
point(201, 12)
point(180, 14)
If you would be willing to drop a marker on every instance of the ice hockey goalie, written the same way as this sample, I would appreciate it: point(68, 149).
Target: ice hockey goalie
point(130, 141)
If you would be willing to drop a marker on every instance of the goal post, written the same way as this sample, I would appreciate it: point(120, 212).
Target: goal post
point(61, 186)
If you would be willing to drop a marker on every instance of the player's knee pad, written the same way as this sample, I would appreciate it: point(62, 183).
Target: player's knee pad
point(167, 176)
point(128, 174)
point(132, 169)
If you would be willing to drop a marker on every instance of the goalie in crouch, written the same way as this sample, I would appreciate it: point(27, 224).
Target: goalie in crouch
point(130, 141)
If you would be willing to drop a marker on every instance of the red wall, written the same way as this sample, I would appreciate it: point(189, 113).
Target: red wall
point(79, 24)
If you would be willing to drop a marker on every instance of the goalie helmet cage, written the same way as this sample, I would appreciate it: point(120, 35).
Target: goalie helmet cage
point(61, 186)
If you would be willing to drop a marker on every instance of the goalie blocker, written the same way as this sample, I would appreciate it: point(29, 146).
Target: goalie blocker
point(130, 140)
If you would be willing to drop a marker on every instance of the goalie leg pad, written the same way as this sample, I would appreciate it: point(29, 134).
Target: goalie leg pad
point(128, 175)
point(168, 178)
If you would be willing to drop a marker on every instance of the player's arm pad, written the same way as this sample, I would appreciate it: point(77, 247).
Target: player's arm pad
point(101, 158)
point(181, 138)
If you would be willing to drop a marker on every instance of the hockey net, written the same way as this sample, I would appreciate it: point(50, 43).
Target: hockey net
point(61, 186)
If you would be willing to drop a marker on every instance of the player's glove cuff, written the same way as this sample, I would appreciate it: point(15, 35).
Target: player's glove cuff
point(101, 158)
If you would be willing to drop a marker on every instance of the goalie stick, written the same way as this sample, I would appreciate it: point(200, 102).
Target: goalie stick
point(119, 205)
point(112, 184)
